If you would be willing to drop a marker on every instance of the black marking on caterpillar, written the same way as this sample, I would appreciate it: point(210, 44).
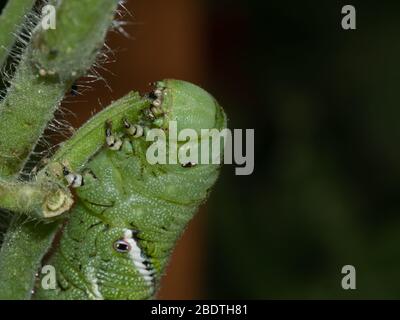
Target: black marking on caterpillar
point(74, 180)
point(113, 141)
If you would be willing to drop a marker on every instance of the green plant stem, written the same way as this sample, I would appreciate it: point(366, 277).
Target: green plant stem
point(26, 244)
point(40, 200)
point(11, 19)
point(24, 114)
point(42, 77)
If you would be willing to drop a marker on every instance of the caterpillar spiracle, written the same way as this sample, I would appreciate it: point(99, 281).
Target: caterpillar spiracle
point(128, 213)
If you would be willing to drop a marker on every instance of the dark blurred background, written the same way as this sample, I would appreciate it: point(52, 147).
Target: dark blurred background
point(325, 106)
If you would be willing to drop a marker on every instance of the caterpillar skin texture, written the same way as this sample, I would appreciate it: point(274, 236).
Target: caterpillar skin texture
point(129, 214)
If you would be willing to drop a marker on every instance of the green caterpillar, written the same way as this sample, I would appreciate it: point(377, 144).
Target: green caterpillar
point(128, 213)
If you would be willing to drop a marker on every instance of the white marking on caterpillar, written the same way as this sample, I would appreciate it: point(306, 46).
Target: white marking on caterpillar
point(134, 130)
point(156, 98)
point(113, 142)
point(95, 293)
point(156, 110)
point(42, 72)
point(156, 103)
point(158, 93)
point(74, 180)
point(137, 259)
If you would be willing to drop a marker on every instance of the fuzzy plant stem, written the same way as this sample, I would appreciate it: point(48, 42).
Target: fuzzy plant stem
point(52, 62)
point(54, 59)
point(11, 20)
point(25, 245)
point(39, 200)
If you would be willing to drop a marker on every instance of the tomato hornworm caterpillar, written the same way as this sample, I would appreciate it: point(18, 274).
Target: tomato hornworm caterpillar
point(128, 213)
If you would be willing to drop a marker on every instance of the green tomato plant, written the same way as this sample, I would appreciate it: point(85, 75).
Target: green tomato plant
point(117, 230)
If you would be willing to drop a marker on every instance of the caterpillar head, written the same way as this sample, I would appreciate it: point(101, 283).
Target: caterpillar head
point(187, 104)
